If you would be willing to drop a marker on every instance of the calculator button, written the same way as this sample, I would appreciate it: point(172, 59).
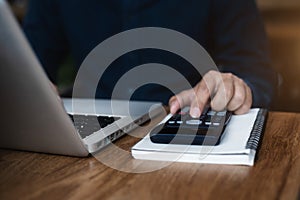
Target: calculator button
point(179, 122)
point(221, 114)
point(208, 123)
point(216, 124)
point(217, 119)
point(211, 113)
point(193, 122)
point(171, 122)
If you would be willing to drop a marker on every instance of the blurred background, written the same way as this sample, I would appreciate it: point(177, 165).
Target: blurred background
point(282, 22)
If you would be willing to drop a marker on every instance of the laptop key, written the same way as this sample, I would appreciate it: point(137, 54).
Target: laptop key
point(88, 124)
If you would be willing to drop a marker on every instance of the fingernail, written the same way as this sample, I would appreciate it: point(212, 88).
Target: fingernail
point(195, 112)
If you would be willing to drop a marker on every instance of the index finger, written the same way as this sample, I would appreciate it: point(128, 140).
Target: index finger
point(204, 91)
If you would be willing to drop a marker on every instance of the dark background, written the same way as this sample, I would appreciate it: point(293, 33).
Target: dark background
point(282, 21)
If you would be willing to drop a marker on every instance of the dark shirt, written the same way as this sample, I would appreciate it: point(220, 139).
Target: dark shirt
point(230, 30)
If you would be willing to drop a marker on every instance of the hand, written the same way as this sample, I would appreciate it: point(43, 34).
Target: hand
point(54, 88)
point(225, 90)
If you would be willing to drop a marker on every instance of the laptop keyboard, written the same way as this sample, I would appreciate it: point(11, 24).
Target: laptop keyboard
point(88, 124)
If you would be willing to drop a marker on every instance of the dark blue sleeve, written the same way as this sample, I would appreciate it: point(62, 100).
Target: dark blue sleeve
point(44, 31)
point(240, 46)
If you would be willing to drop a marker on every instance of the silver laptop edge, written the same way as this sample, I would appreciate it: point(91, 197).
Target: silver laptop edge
point(32, 116)
point(142, 112)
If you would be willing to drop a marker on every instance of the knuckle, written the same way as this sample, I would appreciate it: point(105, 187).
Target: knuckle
point(240, 102)
point(240, 81)
point(173, 98)
point(203, 89)
point(239, 98)
point(228, 94)
point(218, 103)
point(226, 90)
point(218, 106)
point(211, 72)
point(228, 76)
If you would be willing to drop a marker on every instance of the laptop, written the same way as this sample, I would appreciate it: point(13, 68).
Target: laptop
point(34, 118)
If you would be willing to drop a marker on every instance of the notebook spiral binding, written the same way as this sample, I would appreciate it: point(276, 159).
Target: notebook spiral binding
point(257, 130)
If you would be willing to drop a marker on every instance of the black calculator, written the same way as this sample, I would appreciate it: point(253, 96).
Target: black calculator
point(181, 128)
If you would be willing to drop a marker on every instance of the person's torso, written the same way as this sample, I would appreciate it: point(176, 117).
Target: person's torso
point(88, 24)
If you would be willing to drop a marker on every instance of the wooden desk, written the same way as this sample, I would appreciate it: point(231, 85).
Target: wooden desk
point(276, 174)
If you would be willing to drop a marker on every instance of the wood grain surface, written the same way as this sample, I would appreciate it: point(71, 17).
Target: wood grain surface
point(276, 174)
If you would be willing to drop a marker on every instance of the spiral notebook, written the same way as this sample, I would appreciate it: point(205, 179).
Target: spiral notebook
point(239, 144)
